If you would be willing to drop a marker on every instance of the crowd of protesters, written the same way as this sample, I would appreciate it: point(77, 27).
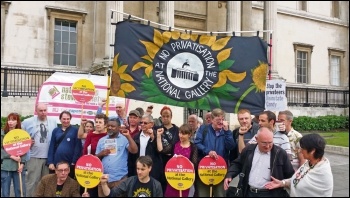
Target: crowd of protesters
point(263, 159)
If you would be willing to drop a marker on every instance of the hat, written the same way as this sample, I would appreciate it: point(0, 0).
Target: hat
point(135, 112)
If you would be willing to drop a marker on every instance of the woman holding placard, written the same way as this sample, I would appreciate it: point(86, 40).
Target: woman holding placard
point(9, 163)
point(184, 147)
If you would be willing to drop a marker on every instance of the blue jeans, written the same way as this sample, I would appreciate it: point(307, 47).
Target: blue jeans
point(6, 177)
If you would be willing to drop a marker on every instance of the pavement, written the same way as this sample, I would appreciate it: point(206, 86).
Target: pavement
point(340, 170)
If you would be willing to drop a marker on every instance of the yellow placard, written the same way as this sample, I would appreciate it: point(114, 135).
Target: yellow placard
point(17, 142)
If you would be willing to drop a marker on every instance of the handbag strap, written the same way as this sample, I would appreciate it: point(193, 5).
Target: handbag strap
point(61, 138)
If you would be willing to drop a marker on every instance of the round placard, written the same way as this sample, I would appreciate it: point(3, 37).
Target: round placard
point(83, 90)
point(17, 142)
point(179, 172)
point(212, 171)
point(88, 171)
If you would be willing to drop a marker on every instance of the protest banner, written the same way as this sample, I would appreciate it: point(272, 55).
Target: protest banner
point(88, 171)
point(56, 92)
point(180, 173)
point(189, 70)
point(275, 95)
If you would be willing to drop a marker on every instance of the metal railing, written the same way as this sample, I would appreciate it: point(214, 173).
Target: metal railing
point(27, 82)
point(23, 81)
point(316, 97)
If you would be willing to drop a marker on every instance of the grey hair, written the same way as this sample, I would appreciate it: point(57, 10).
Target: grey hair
point(289, 115)
point(149, 117)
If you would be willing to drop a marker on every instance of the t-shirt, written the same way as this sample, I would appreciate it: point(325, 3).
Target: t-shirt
point(143, 189)
point(41, 146)
point(92, 139)
point(59, 190)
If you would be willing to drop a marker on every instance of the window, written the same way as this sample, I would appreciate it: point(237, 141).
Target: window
point(302, 59)
point(66, 35)
point(302, 62)
point(302, 5)
point(335, 70)
point(65, 43)
point(335, 9)
point(336, 66)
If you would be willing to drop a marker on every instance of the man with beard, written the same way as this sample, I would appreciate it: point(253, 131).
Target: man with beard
point(113, 151)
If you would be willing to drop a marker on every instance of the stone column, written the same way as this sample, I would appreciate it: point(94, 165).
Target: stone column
point(166, 13)
point(270, 21)
point(247, 18)
point(233, 20)
point(118, 6)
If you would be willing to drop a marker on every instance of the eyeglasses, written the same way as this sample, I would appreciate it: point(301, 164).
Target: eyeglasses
point(144, 122)
point(266, 143)
point(62, 170)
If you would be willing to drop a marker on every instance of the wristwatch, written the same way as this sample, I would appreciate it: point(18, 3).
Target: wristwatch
point(283, 183)
point(241, 134)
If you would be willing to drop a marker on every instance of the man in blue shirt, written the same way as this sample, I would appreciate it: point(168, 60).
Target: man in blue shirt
point(113, 151)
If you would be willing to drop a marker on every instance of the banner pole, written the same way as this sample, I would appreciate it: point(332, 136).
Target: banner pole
point(270, 56)
point(108, 90)
point(109, 62)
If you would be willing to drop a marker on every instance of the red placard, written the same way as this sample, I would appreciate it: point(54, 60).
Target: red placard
point(17, 142)
point(83, 90)
point(179, 172)
point(88, 171)
point(212, 171)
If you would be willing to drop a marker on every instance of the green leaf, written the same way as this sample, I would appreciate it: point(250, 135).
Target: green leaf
point(147, 62)
point(157, 99)
point(225, 91)
point(214, 100)
point(171, 101)
point(192, 104)
point(225, 64)
point(182, 104)
point(203, 103)
point(149, 93)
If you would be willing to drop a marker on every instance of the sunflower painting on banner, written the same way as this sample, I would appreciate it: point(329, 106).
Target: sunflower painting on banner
point(189, 70)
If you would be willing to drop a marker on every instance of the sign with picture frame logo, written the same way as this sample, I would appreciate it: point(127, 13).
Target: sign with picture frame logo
point(185, 70)
point(17, 142)
point(212, 171)
point(179, 172)
point(88, 171)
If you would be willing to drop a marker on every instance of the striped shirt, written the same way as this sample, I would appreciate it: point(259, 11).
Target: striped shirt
point(279, 139)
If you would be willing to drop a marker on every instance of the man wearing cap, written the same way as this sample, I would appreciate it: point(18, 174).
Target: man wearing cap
point(134, 122)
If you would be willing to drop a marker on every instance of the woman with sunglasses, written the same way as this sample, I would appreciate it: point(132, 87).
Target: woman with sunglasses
point(9, 163)
point(314, 178)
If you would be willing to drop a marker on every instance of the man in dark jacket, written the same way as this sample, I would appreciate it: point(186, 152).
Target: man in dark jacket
point(257, 163)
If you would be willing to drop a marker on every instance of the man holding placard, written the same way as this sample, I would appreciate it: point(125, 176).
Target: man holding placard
point(214, 140)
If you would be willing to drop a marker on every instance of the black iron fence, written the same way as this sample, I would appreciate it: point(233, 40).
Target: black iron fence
point(26, 82)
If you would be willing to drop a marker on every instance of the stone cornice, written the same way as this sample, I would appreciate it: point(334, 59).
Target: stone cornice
point(81, 13)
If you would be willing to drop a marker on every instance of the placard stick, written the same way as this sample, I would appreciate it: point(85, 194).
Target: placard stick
point(20, 179)
point(82, 111)
point(85, 190)
point(180, 193)
point(211, 191)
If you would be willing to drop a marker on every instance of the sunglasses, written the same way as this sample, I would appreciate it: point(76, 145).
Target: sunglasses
point(144, 122)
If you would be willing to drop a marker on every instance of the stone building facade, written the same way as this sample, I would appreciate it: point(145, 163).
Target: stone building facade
point(310, 38)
